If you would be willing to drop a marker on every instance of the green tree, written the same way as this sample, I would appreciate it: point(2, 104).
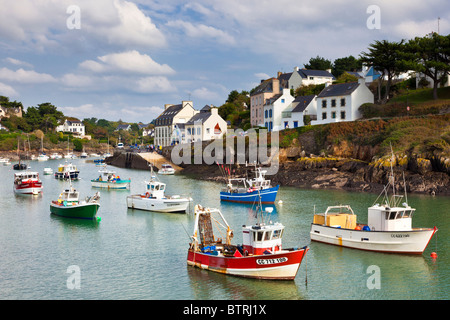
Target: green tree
point(385, 57)
point(344, 64)
point(318, 63)
point(346, 77)
point(429, 55)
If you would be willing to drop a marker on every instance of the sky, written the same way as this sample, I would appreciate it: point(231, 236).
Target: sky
point(124, 60)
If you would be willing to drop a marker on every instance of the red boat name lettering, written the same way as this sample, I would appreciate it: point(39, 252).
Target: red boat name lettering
point(271, 261)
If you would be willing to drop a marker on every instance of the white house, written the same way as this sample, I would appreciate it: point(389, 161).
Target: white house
point(74, 126)
point(205, 125)
point(340, 102)
point(293, 116)
point(304, 77)
point(167, 121)
point(273, 109)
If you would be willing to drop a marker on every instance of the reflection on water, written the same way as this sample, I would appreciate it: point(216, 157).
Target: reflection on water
point(134, 254)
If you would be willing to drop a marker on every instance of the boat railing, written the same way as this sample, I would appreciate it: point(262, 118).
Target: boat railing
point(347, 207)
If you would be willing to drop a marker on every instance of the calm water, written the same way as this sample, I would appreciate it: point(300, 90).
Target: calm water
point(134, 254)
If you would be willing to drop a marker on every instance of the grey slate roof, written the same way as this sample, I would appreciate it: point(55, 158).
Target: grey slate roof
point(304, 73)
point(166, 118)
point(201, 116)
point(265, 86)
point(302, 102)
point(341, 89)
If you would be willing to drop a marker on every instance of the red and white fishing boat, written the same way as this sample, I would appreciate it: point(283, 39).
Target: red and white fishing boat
point(261, 256)
point(27, 182)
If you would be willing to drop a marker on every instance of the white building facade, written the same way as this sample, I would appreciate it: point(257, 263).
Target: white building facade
point(273, 109)
point(74, 126)
point(340, 102)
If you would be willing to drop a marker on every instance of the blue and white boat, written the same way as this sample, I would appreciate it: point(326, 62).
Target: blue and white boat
point(250, 191)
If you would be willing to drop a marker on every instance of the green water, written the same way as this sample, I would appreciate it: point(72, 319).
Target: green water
point(134, 254)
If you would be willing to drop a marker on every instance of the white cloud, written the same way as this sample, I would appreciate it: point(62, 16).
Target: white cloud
point(42, 24)
point(205, 94)
point(128, 62)
point(25, 76)
point(203, 32)
point(8, 91)
point(153, 85)
point(262, 75)
point(18, 62)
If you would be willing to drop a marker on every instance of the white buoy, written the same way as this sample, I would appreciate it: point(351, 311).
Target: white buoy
point(280, 202)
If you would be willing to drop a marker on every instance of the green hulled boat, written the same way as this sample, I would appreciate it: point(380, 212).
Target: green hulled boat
point(68, 205)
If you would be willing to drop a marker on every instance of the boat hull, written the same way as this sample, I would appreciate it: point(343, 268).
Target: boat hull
point(278, 266)
point(268, 196)
point(122, 184)
point(79, 211)
point(407, 242)
point(159, 205)
point(33, 187)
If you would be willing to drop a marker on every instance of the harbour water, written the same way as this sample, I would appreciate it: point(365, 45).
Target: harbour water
point(133, 254)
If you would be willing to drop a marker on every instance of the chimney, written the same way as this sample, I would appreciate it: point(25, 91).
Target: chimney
point(214, 110)
point(296, 69)
point(167, 106)
point(279, 74)
point(329, 70)
point(275, 86)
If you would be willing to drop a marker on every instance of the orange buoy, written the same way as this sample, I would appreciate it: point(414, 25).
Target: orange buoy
point(358, 228)
point(433, 255)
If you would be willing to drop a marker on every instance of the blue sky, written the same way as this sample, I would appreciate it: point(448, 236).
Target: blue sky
point(129, 58)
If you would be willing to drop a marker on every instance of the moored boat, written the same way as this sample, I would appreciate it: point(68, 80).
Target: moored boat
point(388, 229)
point(67, 171)
point(250, 190)
point(109, 180)
point(166, 169)
point(261, 256)
point(68, 205)
point(155, 199)
point(55, 156)
point(27, 182)
point(48, 171)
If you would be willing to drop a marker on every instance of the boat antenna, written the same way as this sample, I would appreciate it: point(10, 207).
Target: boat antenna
point(404, 187)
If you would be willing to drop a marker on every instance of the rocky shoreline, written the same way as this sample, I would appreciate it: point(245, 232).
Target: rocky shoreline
point(350, 175)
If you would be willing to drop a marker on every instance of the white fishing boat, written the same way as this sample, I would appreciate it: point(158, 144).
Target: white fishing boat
point(155, 199)
point(48, 171)
point(388, 229)
point(166, 169)
point(55, 156)
point(42, 157)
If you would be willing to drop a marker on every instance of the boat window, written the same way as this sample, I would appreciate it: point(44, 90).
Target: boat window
point(276, 234)
point(161, 188)
point(72, 195)
point(392, 215)
point(268, 235)
point(260, 235)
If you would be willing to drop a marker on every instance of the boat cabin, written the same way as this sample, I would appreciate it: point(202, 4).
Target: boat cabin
point(69, 195)
point(385, 218)
point(26, 176)
point(262, 239)
point(155, 189)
